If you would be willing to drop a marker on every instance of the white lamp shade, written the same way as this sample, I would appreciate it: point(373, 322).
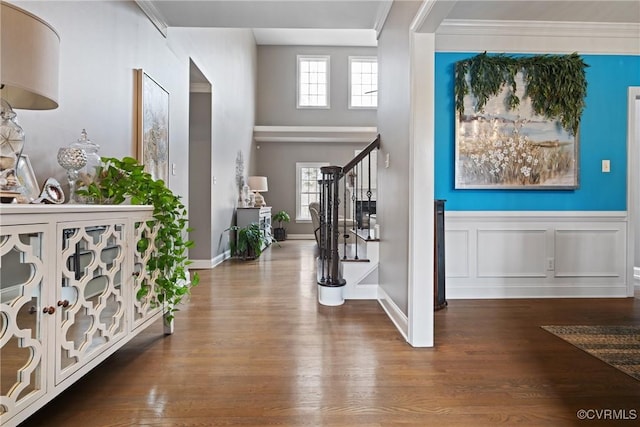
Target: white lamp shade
point(29, 50)
point(258, 183)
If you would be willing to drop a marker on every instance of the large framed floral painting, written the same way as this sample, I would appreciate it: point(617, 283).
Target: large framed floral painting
point(153, 127)
point(501, 148)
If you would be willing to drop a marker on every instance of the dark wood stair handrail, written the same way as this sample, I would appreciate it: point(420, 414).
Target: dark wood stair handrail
point(364, 153)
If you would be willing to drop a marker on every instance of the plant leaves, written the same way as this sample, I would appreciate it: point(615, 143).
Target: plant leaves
point(556, 84)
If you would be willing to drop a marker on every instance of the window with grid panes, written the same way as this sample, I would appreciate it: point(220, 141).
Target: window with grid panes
point(363, 82)
point(307, 188)
point(313, 81)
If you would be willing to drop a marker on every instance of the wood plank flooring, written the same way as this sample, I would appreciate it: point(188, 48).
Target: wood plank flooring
point(254, 348)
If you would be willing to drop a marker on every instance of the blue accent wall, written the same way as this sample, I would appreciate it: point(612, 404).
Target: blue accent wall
point(602, 135)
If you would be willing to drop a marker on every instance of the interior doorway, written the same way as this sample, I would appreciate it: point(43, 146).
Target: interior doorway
point(200, 166)
point(633, 200)
point(636, 269)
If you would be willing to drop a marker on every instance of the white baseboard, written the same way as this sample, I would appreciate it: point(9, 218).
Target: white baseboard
point(359, 291)
point(208, 264)
point(534, 291)
point(300, 237)
point(395, 314)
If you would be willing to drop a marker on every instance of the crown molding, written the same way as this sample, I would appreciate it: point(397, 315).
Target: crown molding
point(383, 14)
point(315, 134)
point(314, 37)
point(539, 28)
point(154, 15)
point(430, 15)
point(538, 37)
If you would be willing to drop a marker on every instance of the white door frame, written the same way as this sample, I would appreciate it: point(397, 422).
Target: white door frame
point(633, 182)
point(420, 317)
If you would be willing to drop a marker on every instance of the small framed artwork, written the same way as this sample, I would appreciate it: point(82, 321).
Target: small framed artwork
point(152, 126)
point(498, 148)
point(27, 179)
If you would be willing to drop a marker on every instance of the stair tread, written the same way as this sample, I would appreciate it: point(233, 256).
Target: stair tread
point(363, 234)
point(355, 260)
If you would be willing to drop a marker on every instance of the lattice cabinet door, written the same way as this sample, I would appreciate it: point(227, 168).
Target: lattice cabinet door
point(91, 270)
point(145, 297)
point(23, 348)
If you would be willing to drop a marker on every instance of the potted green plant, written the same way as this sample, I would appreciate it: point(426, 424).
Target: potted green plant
point(279, 232)
point(249, 241)
point(118, 181)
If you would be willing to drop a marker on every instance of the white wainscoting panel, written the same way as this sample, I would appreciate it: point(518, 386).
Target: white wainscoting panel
point(535, 254)
point(590, 252)
point(511, 253)
point(457, 253)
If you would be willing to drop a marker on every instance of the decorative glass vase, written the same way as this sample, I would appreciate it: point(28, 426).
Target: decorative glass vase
point(246, 196)
point(72, 159)
point(88, 174)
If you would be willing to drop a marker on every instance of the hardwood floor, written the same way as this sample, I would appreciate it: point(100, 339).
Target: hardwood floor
point(254, 348)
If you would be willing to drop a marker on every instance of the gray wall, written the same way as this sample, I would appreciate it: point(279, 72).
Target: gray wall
point(276, 104)
point(277, 161)
point(101, 45)
point(393, 126)
point(227, 59)
point(200, 196)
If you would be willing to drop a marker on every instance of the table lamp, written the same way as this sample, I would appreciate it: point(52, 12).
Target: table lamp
point(29, 51)
point(258, 184)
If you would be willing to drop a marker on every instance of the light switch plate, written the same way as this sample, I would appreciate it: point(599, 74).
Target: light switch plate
point(606, 166)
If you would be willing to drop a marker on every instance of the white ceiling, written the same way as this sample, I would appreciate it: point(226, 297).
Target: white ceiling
point(354, 22)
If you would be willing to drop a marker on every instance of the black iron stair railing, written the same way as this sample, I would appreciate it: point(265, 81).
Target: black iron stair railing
point(356, 178)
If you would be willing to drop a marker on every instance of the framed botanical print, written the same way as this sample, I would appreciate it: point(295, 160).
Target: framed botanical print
point(153, 126)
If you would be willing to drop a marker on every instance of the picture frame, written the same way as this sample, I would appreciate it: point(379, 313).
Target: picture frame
point(498, 148)
point(152, 126)
point(27, 179)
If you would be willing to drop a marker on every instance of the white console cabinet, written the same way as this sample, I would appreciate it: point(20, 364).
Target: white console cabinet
point(69, 278)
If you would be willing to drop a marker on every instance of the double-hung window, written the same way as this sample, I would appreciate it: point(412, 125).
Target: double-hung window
point(363, 82)
point(313, 81)
point(307, 188)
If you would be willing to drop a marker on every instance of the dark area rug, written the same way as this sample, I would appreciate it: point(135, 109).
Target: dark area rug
point(619, 346)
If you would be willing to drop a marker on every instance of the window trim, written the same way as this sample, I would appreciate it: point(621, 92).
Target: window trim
point(299, 166)
point(362, 59)
point(328, 84)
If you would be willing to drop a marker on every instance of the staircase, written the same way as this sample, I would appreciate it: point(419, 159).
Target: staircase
point(361, 275)
point(348, 270)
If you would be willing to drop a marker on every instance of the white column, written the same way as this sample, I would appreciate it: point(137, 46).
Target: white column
point(421, 191)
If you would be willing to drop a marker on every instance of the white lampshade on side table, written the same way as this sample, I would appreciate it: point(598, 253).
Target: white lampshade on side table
point(258, 184)
point(28, 80)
